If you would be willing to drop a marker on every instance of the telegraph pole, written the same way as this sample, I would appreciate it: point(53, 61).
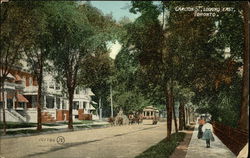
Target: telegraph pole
point(111, 101)
point(100, 108)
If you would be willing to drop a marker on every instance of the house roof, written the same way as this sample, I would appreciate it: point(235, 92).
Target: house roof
point(10, 76)
point(17, 77)
point(93, 102)
point(150, 108)
point(21, 98)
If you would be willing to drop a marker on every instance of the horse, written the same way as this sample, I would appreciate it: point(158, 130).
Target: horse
point(131, 119)
point(111, 120)
point(120, 121)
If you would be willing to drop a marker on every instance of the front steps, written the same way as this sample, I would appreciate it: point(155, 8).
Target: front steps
point(47, 118)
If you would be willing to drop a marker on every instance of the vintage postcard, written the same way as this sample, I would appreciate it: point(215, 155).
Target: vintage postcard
point(124, 79)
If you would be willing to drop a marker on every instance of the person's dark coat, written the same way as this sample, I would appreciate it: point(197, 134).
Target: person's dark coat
point(200, 133)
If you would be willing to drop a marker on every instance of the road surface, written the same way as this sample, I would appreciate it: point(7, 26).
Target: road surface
point(113, 142)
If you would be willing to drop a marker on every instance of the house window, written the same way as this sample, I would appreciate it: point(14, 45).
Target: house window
point(58, 103)
point(84, 105)
point(21, 105)
point(51, 85)
point(34, 101)
point(9, 103)
point(77, 91)
point(63, 105)
point(23, 81)
point(31, 81)
point(57, 86)
point(76, 105)
point(50, 102)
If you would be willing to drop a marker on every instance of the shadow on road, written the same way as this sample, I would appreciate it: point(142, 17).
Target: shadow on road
point(68, 145)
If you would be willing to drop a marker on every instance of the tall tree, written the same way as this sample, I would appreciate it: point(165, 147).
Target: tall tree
point(148, 37)
point(244, 120)
point(199, 44)
point(127, 94)
point(95, 72)
point(37, 53)
point(97, 68)
point(70, 32)
point(14, 36)
point(75, 36)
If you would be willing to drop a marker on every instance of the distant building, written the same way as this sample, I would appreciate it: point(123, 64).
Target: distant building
point(150, 112)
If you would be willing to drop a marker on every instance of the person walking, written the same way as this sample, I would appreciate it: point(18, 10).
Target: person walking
point(201, 122)
point(207, 130)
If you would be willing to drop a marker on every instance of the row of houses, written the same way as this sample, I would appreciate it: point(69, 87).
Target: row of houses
point(20, 96)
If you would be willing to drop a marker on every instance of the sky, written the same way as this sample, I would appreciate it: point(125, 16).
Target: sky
point(118, 9)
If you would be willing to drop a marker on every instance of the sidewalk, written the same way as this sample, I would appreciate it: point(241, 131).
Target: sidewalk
point(197, 148)
point(63, 126)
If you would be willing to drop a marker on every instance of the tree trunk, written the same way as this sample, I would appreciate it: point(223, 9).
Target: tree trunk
point(71, 94)
point(39, 94)
point(243, 122)
point(175, 121)
point(192, 115)
point(189, 116)
point(184, 116)
point(3, 98)
point(100, 108)
point(111, 102)
point(181, 116)
point(169, 112)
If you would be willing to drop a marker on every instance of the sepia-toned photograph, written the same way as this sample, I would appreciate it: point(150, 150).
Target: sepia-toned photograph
point(124, 79)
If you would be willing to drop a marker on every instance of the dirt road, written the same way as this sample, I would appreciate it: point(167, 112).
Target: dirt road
point(113, 142)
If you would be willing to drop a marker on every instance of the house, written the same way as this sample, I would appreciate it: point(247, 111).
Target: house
point(20, 92)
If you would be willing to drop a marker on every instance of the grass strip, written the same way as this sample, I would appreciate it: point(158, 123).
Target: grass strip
point(52, 124)
point(18, 125)
point(11, 125)
point(91, 126)
point(81, 122)
point(164, 148)
point(28, 131)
